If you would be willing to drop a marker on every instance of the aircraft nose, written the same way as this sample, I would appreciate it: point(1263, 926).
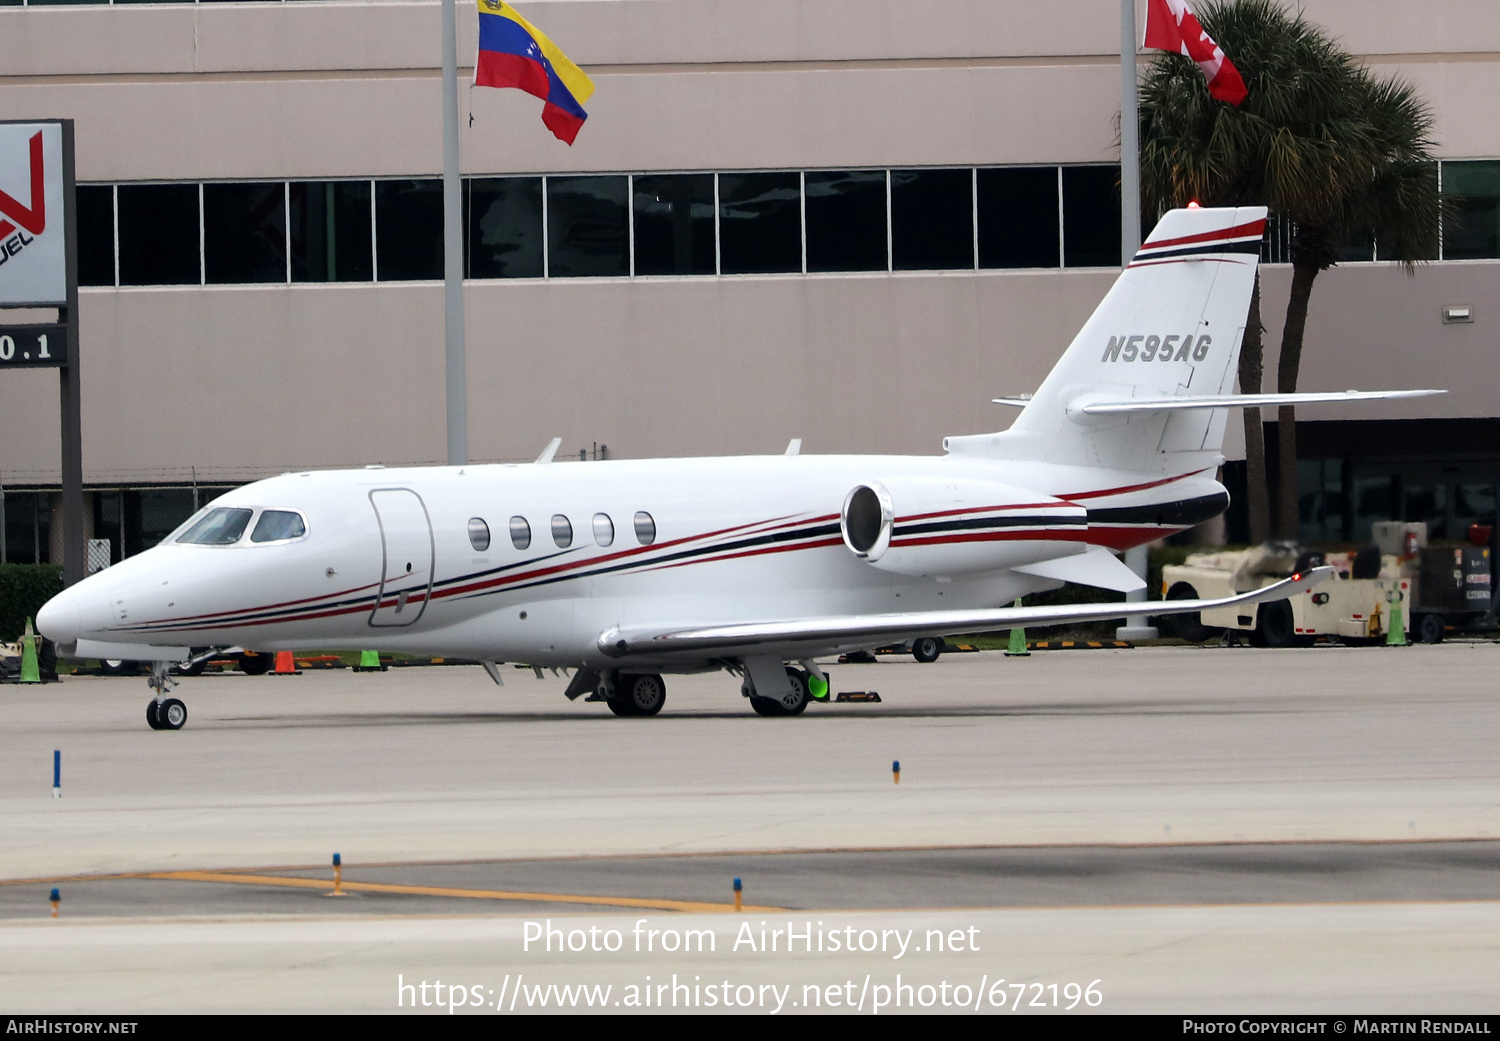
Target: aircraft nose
point(60, 619)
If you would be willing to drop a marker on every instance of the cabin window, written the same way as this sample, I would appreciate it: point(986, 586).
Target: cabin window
point(645, 528)
point(604, 529)
point(520, 533)
point(278, 526)
point(562, 531)
point(479, 534)
point(221, 527)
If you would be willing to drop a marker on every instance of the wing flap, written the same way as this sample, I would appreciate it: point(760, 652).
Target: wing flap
point(834, 630)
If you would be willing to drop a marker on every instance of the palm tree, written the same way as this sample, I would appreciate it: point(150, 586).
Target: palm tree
point(1336, 152)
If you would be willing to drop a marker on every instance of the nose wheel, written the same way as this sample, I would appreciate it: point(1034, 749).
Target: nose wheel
point(169, 714)
point(162, 712)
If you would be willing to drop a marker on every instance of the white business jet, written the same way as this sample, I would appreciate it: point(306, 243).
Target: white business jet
point(757, 565)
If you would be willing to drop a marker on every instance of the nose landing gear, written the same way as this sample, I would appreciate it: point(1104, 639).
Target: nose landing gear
point(162, 712)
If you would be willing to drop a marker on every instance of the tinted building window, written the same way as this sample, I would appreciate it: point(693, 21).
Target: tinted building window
point(1361, 246)
point(932, 219)
point(1091, 216)
point(331, 231)
point(674, 224)
point(244, 232)
point(587, 233)
point(760, 223)
point(27, 531)
point(158, 234)
point(846, 221)
point(503, 227)
point(409, 230)
point(96, 235)
point(1018, 217)
point(1472, 230)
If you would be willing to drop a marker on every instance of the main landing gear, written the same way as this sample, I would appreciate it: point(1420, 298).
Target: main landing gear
point(639, 694)
point(782, 690)
point(789, 702)
point(162, 712)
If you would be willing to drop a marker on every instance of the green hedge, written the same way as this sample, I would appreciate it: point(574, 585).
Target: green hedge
point(23, 589)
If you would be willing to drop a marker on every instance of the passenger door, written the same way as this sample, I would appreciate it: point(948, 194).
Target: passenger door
point(407, 550)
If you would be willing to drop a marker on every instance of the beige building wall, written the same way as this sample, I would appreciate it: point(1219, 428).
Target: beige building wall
point(234, 382)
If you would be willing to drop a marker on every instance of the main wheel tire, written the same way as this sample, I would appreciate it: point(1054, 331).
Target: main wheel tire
point(254, 664)
point(765, 706)
point(171, 715)
point(151, 719)
point(1275, 626)
point(1188, 626)
point(645, 693)
point(793, 703)
point(188, 667)
point(117, 667)
point(927, 649)
point(1430, 628)
point(620, 707)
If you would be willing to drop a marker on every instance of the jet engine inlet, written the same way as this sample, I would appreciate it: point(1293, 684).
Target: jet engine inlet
point(866, 521)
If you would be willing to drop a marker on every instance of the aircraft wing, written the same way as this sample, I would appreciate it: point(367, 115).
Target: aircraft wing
point(838, 630)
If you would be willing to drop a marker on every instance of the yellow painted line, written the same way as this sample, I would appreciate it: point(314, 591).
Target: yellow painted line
point(471, 894)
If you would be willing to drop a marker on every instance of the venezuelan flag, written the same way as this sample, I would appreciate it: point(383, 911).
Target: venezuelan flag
point(514, 53)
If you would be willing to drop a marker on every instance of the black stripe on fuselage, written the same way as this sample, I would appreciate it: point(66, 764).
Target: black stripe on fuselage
point(1181, 513)
point(900, 530)
point(1248, 246)
point(795, 535)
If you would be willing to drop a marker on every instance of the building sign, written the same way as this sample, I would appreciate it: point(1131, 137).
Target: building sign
point(33, 346)
point(33, 258)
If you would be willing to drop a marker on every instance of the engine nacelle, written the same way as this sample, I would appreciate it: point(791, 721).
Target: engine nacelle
point(932, 526)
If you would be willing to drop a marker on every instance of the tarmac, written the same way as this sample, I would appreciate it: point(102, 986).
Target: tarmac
point(1200, 829)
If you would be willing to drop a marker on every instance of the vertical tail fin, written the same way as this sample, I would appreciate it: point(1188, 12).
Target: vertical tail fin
point(1171, 326)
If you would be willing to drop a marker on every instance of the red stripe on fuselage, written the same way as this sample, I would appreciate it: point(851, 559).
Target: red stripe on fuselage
point(759, 527)
point(761, 551)
point(1035, 535)
point(1126, 537)
point(1254, 229)
point(1074, 496)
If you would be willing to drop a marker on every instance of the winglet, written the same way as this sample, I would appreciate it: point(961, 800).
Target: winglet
point(550, 450)
point(794, 446)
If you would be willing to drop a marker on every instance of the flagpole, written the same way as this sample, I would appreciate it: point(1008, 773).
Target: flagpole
point(1130, 138)
point(453, 257)
point(1139, 558)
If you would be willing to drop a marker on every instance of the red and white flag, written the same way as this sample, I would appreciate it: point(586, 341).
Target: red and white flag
point(1172, 26)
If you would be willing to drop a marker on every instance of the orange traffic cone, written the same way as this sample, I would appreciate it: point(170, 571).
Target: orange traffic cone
point(286, 665)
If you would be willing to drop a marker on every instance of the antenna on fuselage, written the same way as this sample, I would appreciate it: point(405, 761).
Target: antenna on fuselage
point(550, 450)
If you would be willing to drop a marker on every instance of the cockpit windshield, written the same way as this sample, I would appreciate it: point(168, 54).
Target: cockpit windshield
point(276, 525)
point(219, 527)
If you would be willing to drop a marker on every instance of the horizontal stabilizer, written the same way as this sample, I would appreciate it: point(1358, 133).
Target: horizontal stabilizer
point(782, 637)
point(1098, 567)
point(1103, 406)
